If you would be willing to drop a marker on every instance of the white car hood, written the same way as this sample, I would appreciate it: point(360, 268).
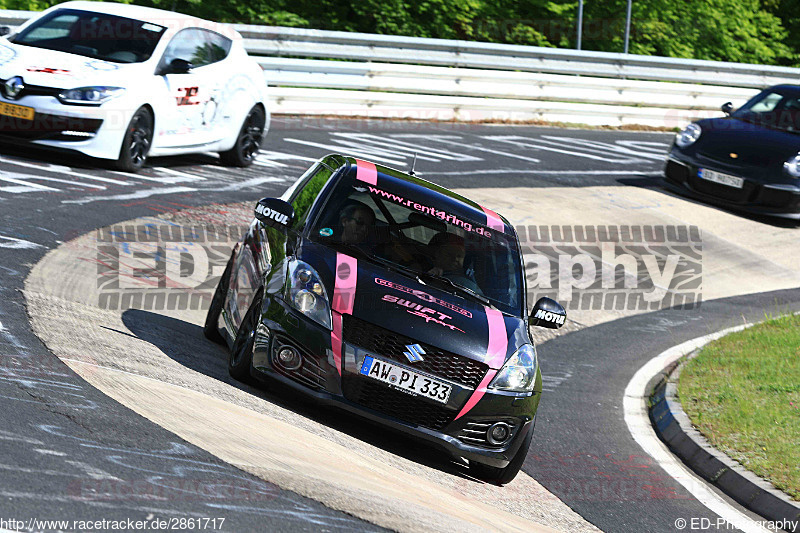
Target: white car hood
point(49, 68)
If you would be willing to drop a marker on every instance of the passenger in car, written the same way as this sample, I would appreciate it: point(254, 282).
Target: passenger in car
point(448, 252)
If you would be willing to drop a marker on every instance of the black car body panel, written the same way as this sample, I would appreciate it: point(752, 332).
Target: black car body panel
point(742, 146)
point(380, 311)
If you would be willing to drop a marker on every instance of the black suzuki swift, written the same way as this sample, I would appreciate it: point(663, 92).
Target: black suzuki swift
point(389, 296)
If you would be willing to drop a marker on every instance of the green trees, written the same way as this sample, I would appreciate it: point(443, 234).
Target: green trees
point(749, 31)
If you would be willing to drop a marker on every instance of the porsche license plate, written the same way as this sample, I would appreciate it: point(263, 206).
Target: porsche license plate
point(406, 380)
point(719, 177)
point(16, 111)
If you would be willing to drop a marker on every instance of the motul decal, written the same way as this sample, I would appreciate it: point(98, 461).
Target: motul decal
point(547, 316)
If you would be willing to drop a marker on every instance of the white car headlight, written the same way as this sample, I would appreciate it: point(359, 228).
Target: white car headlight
point(792, 166)
point(305, 292)
point(688, 136)
point(90, 95)
point(519, 372)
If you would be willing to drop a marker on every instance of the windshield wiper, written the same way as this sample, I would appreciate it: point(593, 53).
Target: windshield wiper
point(469, 292)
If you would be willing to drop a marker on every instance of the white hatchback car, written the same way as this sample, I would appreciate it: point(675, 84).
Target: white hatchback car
point(122, 82)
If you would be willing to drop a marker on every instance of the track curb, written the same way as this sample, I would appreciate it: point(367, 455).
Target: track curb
point(673, 427)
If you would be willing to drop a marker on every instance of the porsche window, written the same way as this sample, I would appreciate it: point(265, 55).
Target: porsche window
point(777, 109)
point(94, 35)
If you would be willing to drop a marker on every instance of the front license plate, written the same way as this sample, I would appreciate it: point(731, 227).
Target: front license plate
point(406, 379)
point(17, 111)
point(719, 177)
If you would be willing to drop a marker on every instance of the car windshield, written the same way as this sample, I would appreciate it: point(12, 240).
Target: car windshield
point(773, 108)
point(453, 253)
point(95, 35)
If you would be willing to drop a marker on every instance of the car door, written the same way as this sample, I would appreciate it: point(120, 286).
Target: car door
point(189, 96)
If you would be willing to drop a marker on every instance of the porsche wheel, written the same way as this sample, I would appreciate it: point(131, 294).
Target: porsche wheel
point(248, 142)
point(137, 141)
point(241, 356)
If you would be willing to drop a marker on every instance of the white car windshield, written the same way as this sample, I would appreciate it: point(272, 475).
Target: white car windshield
point(95, 35)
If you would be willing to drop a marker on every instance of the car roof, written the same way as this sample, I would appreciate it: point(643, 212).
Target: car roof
point(455, 203)
point(170, 19)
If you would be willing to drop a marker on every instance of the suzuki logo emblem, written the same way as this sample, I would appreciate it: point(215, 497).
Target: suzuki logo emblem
point(14, 86)
point(414, 353)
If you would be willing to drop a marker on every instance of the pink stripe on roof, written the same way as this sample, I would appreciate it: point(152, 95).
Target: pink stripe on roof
point(366, 172)
point(493, 220)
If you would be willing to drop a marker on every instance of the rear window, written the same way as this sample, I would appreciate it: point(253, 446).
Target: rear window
point(95, 35)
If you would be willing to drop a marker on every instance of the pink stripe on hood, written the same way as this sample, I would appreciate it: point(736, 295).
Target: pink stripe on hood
point(495, 356)
point(344, 295)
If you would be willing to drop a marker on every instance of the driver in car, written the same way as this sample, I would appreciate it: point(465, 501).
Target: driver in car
point(448, 260)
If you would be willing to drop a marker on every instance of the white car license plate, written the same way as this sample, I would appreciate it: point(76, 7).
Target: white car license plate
point(719, 177)
point(406, 379)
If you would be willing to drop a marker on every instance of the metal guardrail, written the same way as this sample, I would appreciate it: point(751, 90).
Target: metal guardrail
point(407, 77)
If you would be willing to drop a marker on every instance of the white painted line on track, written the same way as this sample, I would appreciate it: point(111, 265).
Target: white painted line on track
point(24, 185)
point(60, 169)
point(185, 175)
point(367, 154)
point(16, 244)
point(393, 141)
point(526, 142)
point(634, 404)
point(132, 196)
point(603, 147)
point(248, 183)
point(448, 139)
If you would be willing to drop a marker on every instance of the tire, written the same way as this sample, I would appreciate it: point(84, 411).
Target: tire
point(137, 141)
point(210, 328)
point(248, 142)
point(502, 476)
point(241, 355)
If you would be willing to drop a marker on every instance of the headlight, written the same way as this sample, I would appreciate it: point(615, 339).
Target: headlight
point(90, 95)
point(688, 136)
point(519, 372)
point(792, 166)
point(306, 293)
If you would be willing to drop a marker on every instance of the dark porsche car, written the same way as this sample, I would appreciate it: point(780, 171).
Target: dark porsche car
point(747, 160)
point(391, 297)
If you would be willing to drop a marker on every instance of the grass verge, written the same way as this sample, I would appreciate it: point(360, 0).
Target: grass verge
point(743, 393)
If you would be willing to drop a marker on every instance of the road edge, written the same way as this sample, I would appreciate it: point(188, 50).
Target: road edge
point(674, 428)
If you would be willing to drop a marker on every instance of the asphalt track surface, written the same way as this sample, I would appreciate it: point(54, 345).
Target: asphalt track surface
point(69, 452)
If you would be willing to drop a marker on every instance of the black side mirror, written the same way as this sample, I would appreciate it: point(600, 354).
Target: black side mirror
point(727, 108)
point(4, 30)
point(547, 313)
point(275, 213)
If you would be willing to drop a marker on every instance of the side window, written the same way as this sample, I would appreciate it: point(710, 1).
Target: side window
point(218, 46)
point(190, 45)
point(304, 198)
point(767, 104)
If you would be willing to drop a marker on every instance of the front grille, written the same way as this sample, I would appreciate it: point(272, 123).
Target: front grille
point(770, 197)
point(45, 126)
point(369, 393)
point(475, 432)
point(388, 344)
point(309, 374)
point(676, 171)
point(34, 90)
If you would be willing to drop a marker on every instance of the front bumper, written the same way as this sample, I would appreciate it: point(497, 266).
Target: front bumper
point(364, 396)
point(681, 175)
point(94, 131)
